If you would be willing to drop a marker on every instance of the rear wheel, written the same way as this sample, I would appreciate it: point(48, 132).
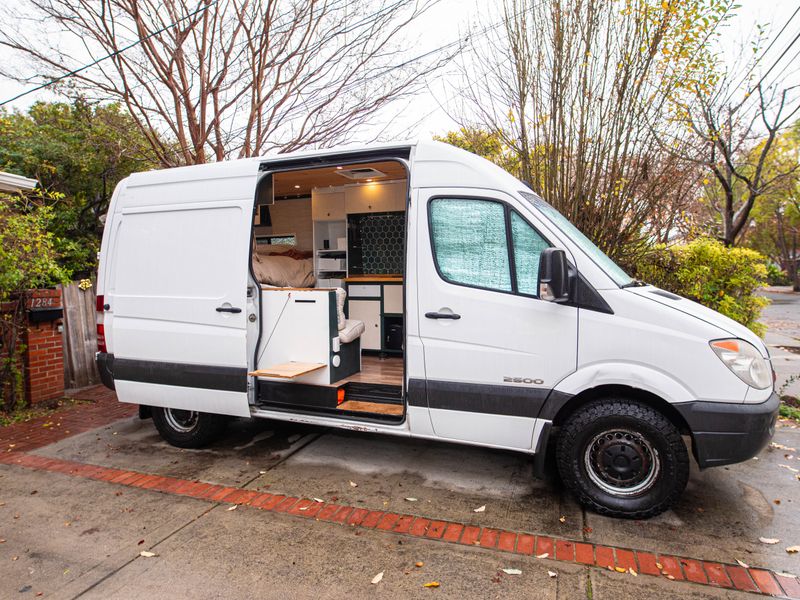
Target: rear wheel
point(187, 428)
point(622, 458)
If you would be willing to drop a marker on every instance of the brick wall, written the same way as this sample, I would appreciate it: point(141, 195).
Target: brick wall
point(44, 356)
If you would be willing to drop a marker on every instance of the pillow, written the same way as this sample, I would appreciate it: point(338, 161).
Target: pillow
point(282, 271)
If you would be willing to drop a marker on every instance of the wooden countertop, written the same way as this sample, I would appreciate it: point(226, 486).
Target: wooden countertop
point(374, 279)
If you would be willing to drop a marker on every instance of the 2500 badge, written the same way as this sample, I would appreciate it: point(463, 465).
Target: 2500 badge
point(528, 380)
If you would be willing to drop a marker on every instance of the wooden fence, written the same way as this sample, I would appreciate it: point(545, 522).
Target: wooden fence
point(80, 336)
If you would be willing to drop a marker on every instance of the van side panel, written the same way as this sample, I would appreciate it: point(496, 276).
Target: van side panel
point(178, 253)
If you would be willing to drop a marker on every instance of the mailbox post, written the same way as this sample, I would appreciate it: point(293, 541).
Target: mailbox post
point(44, 347)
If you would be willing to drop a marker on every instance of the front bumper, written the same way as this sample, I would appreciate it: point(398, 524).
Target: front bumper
point(723, 433)
point(105, 365)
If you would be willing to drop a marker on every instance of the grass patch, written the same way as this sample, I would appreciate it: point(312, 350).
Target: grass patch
point(790, 408)
point(41, 409)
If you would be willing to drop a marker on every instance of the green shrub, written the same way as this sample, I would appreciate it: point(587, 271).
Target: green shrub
point(704, 270)
point(776, 275)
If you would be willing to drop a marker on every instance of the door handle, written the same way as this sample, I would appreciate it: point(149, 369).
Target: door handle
point(229, 309)
point(439, 315)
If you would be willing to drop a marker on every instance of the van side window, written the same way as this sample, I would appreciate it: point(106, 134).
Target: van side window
point(528, 247)
point(470, 243)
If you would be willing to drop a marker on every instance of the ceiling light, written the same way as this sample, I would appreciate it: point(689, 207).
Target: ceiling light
point(297, 187)
point(338, 168)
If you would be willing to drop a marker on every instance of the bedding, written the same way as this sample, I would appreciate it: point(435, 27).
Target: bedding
point(283, 271)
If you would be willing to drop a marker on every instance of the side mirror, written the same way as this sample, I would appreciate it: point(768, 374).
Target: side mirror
point(554, 275)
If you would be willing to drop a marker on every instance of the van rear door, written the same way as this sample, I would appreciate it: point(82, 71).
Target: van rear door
point(493, 350)
point(176, 292)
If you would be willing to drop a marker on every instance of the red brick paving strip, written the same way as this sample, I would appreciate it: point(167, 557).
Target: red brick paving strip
point(16, 439)
point(66, 422)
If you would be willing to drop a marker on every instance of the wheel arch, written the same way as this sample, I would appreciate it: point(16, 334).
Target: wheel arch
point(565, 405)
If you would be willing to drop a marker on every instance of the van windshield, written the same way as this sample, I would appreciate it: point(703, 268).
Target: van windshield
point(612, 269)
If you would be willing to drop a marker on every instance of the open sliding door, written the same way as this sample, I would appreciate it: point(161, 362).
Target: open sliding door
point(177, 295)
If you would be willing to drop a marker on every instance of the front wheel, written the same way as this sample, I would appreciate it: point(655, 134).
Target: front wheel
point(187, 428)
point(622, 458)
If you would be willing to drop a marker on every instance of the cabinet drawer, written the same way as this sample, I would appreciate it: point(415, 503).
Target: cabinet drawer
point(364, 291)
point(393, 299)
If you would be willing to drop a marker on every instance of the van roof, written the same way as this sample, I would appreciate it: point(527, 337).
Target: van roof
point(435, 164)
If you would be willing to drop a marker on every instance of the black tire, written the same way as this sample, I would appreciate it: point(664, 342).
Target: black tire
point(622, 458)
point(188, 429)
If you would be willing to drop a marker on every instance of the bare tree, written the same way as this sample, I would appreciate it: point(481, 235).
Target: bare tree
point(735, 142)
point(229, 78)
point(572, 86)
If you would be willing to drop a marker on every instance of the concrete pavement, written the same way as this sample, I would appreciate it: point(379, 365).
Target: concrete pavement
point(80, 538)
point(782, 318)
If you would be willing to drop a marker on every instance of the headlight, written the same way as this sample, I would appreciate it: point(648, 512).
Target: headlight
point(745, 361)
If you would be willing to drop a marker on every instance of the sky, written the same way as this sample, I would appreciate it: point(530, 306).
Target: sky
point(426, 114)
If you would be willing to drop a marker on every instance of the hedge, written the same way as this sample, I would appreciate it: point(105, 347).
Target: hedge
point(704, 270)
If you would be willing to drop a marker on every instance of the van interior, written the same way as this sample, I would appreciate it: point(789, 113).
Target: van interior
point(329, 249)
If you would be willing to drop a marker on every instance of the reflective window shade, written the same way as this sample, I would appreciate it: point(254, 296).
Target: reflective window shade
point(469, 241)
point(528, 248)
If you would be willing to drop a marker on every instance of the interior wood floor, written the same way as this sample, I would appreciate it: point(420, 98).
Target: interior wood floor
point(374, 369)
point(371, 407)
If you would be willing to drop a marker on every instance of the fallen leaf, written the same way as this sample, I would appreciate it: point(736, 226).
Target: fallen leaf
point(262, 472)
point(353, 484)
point(233, 507)
point(318, 500)
point(431, 584)
point(147, 554)
point(672, 577)
point(15, 558)
point(620, 569)
point(659, 566)
point(777, 502)
point(792, 469)
point(140, 542)
point(304, 508)
point(741, 564)
point(552, 574)
point(411, 499)
point(543, 555)
point(377, 578)
point(562, 519)
point(512, 571)
point(632, 572)
point(764, 540)
point(480, 509)
point(419, 563)
point(793, 549)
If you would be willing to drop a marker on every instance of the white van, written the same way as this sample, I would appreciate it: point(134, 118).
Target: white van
point(416, 289)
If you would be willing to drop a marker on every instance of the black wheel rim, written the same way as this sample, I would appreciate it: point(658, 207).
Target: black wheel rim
point(621, 462)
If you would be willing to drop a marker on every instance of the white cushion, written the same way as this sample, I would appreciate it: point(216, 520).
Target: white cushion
point(341, 296)
point(352, 331)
